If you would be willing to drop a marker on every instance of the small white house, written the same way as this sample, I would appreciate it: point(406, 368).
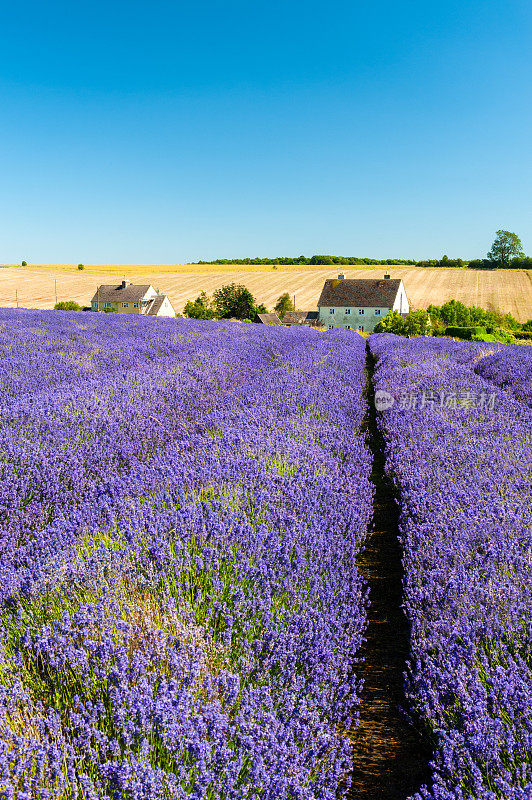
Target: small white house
point(130, 298)
point(359, 304)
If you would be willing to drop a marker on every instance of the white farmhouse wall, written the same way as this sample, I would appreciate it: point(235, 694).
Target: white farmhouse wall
point(166, 309)
point(401, 301)
point(355, 320)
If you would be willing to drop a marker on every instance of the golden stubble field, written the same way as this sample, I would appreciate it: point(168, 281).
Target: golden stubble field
point(36, 285)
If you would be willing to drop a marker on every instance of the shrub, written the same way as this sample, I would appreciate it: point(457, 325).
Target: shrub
point(492, 335)
point(67, 305)
point(462, 332)
point(416, 323)
point(80, 266)
point(24, 264)
point(523, 334)
point(481, 263)
point(504, 336)
point(445, 261)
point(484, 337)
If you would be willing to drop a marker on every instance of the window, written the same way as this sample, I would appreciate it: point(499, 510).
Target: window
point(108, 305)
point(348, 327)
point(348, 311)
point(94, 304)
point(360, 310)
point(124, 305)
point(135, 305)
point(331, 327)
point(377, 312)
point(360, 327)
point(331, 311)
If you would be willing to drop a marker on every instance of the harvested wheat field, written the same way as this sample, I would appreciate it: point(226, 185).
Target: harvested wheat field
point(505, 290)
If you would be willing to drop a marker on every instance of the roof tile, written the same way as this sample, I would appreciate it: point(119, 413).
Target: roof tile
point(131, 293)
point(362, 293)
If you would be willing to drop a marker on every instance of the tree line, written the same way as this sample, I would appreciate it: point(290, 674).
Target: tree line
point(305, 260)
point(506, 253)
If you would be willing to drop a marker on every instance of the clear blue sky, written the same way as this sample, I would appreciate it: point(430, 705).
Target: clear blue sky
point(163, 132)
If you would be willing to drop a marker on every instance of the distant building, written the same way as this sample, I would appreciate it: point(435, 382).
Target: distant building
point(268, 319)
point(308, 318)
point(130, 298)
point(360, 304)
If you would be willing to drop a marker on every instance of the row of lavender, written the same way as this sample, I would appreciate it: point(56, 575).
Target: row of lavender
point(507, 367)
point(461, 459)
point(181, 505)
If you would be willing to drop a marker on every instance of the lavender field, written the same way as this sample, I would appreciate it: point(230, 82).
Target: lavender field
point(461, 458)
point(182, 506)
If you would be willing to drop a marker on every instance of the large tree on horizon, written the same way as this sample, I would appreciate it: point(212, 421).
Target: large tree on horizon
point(507, 245)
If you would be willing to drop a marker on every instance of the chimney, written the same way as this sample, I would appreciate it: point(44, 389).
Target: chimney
point(341, 276)
point(387, 276)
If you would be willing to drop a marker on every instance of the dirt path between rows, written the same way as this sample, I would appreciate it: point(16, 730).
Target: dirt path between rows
point(390, 760)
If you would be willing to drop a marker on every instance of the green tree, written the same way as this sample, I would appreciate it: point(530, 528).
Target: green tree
point(393, 322)
point(80, 266)
point(234, 301)
point(200, 308)
point(283, 304)
point(455, 314)
point(67, 305)
point(417, 323)
point(507, 245)
point(527, 326)
point(24, 264)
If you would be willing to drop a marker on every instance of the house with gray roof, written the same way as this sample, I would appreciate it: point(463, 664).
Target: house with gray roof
point(359, 304)
point(308, 318)
point(130, 298)
point(268, 319)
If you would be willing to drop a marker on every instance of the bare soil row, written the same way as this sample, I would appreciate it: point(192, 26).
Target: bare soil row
point(390, 756)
